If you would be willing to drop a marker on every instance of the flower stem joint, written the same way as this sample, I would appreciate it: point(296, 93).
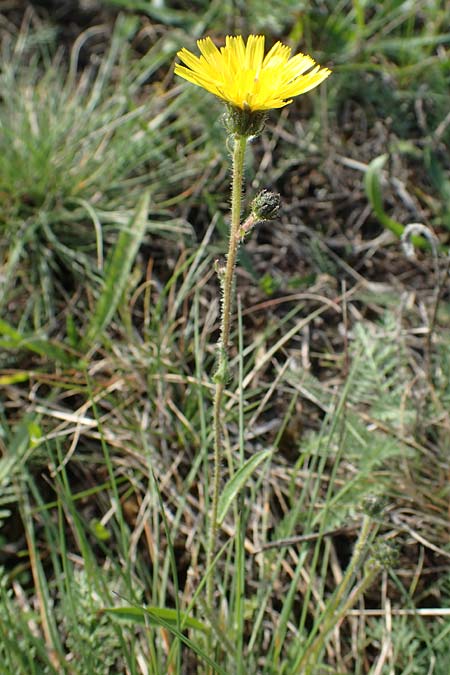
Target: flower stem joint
point(265, 206)
point(244, 121)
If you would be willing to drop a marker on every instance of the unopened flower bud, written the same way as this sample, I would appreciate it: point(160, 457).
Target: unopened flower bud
point(384, 555)
point(374, 505)
point(266, 205)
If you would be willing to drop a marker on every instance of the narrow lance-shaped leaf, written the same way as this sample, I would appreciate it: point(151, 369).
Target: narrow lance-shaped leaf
point(11, 338)
point(167, 618)
point(117, 271)
point(154, 616)
point(238, 481)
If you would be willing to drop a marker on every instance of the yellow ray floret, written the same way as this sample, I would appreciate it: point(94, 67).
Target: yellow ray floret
point(241, 75)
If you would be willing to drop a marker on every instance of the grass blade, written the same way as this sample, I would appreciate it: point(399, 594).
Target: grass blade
point(171, 626)
point(154, 615)
point(14, 339)
point(117, 271)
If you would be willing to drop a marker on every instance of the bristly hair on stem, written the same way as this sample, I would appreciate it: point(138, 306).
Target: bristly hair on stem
point(221, 374)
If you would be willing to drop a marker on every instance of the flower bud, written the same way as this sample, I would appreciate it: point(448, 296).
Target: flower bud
point(385, 555)
point(374, 505)
point(266, 205)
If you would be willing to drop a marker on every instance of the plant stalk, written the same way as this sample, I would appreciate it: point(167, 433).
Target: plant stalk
point(334, 612)
point(226, 279)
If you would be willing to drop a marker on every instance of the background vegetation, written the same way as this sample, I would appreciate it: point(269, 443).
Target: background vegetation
point(114, 206)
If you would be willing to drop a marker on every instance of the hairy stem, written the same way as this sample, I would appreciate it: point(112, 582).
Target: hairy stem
point(227, 279)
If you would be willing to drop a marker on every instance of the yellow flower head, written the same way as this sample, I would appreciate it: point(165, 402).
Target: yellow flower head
point(242, 76)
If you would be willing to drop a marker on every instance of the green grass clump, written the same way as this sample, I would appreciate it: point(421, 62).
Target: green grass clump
point(78, 150)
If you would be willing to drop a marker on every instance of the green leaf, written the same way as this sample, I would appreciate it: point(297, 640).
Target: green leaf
point(117, 271)
point(13, 339)
point(238, 481)
point(14, 378)
point(407, 43)
point(155, 615)
point(372, 183)
point(99, 530)
point(26, 435)
point(440, 180)
point(167, 618)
